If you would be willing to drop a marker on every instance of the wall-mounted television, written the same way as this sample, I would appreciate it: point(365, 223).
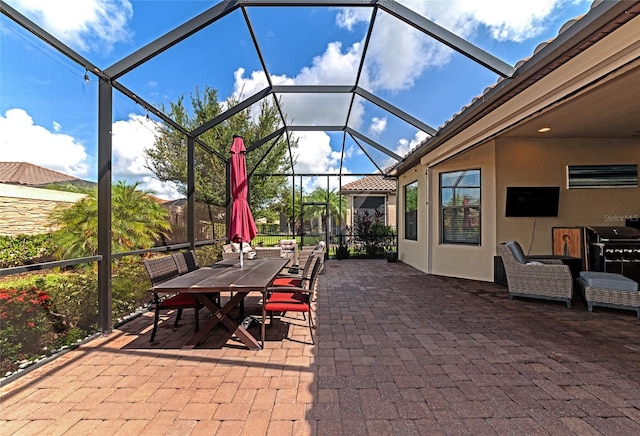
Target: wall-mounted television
point(532, 201)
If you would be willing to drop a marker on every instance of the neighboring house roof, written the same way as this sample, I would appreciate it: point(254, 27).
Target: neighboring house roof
point(370, 184)
point(180, 203)
point(23, 173)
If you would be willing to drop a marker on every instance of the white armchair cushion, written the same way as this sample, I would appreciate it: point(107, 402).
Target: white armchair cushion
point(245, 247)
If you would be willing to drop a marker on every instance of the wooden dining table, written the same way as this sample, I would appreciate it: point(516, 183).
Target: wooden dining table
point(226, 276)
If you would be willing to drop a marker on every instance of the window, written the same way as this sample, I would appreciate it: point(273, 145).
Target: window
point(411, 211)
point(374, 206)
point(460, 207)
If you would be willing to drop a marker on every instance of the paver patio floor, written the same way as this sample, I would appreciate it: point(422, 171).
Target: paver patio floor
point(397, 352)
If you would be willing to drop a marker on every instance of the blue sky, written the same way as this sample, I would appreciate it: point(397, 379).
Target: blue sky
point(48, 112)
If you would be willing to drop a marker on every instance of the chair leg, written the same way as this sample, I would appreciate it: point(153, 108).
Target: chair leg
point(156, 319)
point(311, 327)
point(262, 327)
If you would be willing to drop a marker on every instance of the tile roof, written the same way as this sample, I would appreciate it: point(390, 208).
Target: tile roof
point(371, 183)
point(23, 173)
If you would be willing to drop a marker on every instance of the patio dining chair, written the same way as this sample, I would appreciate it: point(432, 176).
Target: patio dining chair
point(186, 261)
point(283, 299)
point(297, 277)
point(160, 270)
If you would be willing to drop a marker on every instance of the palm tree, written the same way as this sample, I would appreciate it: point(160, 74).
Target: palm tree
point(336, 204)
point(137, 221)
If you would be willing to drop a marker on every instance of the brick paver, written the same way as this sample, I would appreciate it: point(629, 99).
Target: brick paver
point(397, 352)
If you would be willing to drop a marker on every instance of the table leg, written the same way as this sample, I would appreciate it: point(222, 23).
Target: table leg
point(220, 316)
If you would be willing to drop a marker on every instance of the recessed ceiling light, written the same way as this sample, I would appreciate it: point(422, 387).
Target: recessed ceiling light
point(544, 129)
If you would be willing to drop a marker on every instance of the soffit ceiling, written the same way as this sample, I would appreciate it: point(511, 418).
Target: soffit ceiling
point(608, 110)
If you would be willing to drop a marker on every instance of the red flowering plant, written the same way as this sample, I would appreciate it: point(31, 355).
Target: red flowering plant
point(24, 321)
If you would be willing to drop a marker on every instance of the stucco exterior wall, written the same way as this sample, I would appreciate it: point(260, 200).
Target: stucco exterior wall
point(25, 210)
point(543, 162)
point(516, 162)
point(466, 261)
point(391, 210)
point(412, 252)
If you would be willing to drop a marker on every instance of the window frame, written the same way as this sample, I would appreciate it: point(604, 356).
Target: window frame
point(407, 235)
point(477, 205)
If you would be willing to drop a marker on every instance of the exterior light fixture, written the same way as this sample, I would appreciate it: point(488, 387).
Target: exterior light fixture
point(86, 76)
point(544, 129)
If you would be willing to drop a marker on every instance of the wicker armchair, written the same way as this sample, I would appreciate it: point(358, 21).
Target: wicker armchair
point(526, 277)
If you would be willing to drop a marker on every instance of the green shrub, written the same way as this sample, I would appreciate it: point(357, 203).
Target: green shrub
point(129, 286)
point(74, 298)
point(208, 254)
point(24, 249)
point(72, 337)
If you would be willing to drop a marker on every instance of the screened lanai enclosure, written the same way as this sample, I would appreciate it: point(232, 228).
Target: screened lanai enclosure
point(350, 88)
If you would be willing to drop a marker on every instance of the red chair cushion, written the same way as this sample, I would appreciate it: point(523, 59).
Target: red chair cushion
point(287, 302)
point(178, 301)
point(288, 281)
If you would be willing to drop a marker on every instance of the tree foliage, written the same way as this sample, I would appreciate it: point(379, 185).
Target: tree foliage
point(337, 205)
point(137, 221)
point(168, 158)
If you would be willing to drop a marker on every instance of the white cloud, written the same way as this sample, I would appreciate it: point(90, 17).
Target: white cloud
point(349, 17)
point(23, 141)
point(163, 190)
point(84, 25)
point(378, 125)
point(413, 52)
point(314, 154)
point(404, 146)
point(131, 137)
point(505, 19)
point(333, 67)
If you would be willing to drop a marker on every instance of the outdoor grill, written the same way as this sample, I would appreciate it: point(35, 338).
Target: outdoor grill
point(615, 250)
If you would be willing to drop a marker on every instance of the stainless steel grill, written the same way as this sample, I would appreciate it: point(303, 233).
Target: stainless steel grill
point(615, 250)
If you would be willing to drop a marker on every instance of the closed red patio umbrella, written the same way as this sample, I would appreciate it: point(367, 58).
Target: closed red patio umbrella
point(242, 227)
